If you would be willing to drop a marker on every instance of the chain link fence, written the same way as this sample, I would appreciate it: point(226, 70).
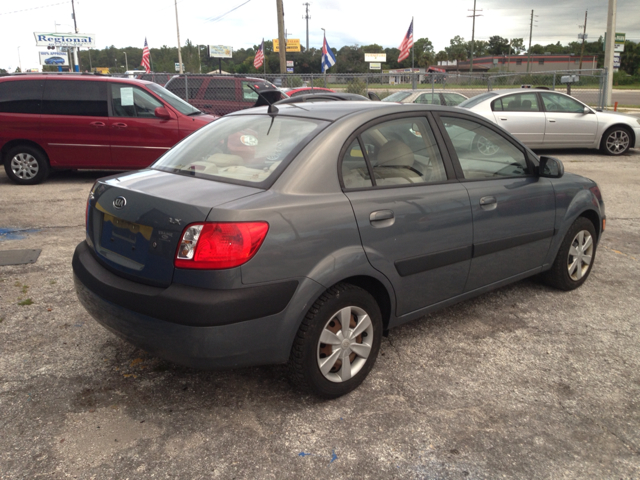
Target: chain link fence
point(221, 94)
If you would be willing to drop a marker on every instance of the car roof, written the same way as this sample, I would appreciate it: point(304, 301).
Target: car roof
point(73, 77)
point(332, 111)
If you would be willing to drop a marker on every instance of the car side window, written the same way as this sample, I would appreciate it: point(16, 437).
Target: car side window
point(355, 173)
point(482, 152)
point(21, 96)
point(403, 151)
point(130, 101)
point(453, 99)
point(429, 99)
point(248, 95)
point(520, 102)
point(75, 97)
point(559, 103)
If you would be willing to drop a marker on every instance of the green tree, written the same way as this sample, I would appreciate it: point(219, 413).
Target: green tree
point(424, 53)
point(498, 45)
point(457, 49)
point(442, 56)
point(517, 46)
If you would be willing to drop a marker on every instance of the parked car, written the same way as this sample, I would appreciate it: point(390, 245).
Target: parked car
point(55, 61)
point(65, 121)
point(302, 235)
point(293, 92)
point(427, 97)
point(545, 119)
point(223, 94)
point(323, 97)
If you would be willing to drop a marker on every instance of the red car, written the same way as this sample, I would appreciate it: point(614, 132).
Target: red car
point(85, 121)
point(307, 91)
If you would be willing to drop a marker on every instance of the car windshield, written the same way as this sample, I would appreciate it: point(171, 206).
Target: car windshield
point(396, 97)
point(173, 100)
point(244, 149)
point(473, 101)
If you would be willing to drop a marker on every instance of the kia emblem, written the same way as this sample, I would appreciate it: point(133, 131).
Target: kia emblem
point(119, 202)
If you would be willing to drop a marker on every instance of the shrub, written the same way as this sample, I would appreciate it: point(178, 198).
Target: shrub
point(356, 85)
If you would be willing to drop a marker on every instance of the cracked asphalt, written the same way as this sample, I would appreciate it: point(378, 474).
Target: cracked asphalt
point(523, 382)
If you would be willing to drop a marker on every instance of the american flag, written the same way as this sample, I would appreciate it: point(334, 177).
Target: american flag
point(407, 43)
point(145, 57)
point(328, 58)
point(259, 59)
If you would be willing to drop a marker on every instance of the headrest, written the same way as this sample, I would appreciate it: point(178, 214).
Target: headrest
point(395, 153)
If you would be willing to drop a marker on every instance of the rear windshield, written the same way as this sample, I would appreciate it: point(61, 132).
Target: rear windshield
point(396, 97)
point(245, 149)
point(473, 101)
point(173, 100)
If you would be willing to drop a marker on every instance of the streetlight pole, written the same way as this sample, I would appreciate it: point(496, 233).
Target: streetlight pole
point(609, 49)
point(178, 32)
point(76, 50)
point(126, 62)
point(19, 60)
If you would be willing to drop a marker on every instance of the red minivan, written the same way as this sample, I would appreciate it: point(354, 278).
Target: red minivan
point(87, 121)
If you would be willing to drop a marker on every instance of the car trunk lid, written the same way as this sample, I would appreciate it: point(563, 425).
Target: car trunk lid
point(135, 220)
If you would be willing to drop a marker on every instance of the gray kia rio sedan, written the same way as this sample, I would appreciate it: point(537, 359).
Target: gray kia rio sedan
point(303, 233)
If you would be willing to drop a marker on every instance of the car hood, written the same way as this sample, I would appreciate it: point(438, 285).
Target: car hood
point(615, 117)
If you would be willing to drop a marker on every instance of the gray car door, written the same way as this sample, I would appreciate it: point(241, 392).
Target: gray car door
point(520, 114)
point(513, 209)
point(414, 218)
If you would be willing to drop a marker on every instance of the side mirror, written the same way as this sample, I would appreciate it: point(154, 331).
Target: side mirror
point(551, 167)
point(163, 113)
point(373, 96)
point(586, 110)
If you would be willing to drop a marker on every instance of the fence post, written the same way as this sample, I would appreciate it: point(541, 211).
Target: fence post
point(489, 84)
point(554, 80)
point(186, 88)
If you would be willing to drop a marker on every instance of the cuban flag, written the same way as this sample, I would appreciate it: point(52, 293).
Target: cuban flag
point(328, 58)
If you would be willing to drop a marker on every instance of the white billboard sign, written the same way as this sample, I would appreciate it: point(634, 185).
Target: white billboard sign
point(375, 66)
point(47, 39)
point(220, 51)
point(375, 57)
point(53, 57)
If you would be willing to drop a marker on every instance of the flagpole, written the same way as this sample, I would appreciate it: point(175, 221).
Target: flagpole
point(264, 61)
point(324, 70)
point(413, 44)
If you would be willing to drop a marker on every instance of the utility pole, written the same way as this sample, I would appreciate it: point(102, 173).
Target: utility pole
point(584, 36)
point(530, 35)
point(281, 40)
point(473, 33)
point(178, 32)
point(307, 17)
point(76, 54)
point(609, 49)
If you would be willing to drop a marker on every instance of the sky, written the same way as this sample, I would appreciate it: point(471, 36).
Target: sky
point(124, 23)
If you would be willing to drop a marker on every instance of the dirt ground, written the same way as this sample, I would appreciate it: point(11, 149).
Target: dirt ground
point(523, 382)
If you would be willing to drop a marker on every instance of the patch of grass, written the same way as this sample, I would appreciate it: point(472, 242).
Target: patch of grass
point(25, 288)
point(52, 282)
point(17, 284)
point(1, 319)
point(28, 301)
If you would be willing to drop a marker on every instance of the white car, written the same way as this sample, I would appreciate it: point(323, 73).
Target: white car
point(544, 119)
point(427, 97)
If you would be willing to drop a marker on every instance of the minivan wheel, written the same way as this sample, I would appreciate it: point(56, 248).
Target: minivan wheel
point(616, 141)
point(337, 343)
point(575, 258)
point(26, 165)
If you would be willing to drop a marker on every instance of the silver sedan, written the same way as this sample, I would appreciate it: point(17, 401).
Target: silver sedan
point(427, 97)
point(546, 119)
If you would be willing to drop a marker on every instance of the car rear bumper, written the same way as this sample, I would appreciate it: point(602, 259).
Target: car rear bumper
point(227, 341)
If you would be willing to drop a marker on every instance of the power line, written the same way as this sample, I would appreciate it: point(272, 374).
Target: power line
point(217, 19)
point(36, 8)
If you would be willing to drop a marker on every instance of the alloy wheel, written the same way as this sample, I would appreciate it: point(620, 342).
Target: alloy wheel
point(485, 147)
point(345, 344)
point(24, 166)
point(618, 141)
point(580, 255)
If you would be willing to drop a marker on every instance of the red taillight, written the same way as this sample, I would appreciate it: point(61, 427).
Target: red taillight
point(219, 245)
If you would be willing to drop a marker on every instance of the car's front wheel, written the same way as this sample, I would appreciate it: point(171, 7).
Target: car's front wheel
point(337, 343)
point(575, 258)
point(26, 165)
point(616, 141)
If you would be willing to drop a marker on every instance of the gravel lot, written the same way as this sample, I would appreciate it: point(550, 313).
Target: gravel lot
point(524, 382)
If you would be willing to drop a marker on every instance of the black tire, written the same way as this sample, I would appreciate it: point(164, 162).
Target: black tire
point(323, 317)
point(26, 165)
point(616, 141)
point(559, 276)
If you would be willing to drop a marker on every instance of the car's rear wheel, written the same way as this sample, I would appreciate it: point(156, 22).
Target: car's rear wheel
point(337, 343)
point(616, 141)
point(26, 165)
point(575, 258)
point(484, 146)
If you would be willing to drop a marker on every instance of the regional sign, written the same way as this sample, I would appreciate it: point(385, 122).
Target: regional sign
point(220, 51)
point(50, 57)
point(375, 57)
point(44, 39)
point(293, 45)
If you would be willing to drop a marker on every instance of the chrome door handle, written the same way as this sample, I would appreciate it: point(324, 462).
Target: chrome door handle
point(502, 118)
point(488, 203)
point(551, 120)
point(382, 218)
point(119, 125)
point(97, 124)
